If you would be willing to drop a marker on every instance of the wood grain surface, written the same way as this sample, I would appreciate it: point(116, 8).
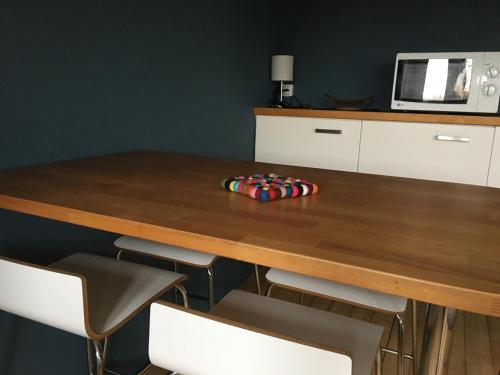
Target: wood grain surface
point(431, 241)
point(440, 118)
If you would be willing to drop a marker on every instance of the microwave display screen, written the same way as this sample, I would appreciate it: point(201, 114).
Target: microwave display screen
point(434, 80)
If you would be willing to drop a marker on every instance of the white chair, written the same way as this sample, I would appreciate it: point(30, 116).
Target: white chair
point(377, 301)
point(249, 334)
point(87, 295)
point(171, 253)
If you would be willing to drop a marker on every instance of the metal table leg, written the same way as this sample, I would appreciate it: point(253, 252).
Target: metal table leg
point(436, 345)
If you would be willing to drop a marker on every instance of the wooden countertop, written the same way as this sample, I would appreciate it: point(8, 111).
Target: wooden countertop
point(432, 241)
point(383, 116)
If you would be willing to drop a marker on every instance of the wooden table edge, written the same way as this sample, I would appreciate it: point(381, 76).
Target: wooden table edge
point(426, 291)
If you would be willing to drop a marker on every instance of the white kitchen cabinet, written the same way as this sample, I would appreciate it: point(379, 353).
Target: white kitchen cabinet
point(494, 176)
point(443, 152)
point(308, 142)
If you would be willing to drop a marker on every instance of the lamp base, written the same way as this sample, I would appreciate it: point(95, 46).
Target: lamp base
point(277, 99)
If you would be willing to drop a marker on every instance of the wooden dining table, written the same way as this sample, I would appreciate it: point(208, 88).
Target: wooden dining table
point(430, 241)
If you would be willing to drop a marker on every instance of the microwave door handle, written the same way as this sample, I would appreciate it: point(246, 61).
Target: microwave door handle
point(449, 138)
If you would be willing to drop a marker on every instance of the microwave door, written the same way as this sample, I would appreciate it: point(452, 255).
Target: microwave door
point(439, 81)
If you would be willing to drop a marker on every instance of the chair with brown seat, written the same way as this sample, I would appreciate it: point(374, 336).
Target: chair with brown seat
point(366, 298)
point(170, 253)
point(87, 295)
point(249, 334)
point(176, 255)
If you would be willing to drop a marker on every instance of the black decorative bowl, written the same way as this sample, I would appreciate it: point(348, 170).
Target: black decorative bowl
point(349, 104)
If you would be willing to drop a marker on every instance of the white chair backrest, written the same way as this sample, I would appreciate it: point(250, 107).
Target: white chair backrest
point(199, 344)
point(43, 295)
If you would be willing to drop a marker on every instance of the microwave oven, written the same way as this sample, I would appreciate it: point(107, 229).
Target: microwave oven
point(447, 82)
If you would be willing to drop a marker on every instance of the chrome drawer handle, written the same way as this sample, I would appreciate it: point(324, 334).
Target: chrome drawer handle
point(328, 131)
point(449, 138)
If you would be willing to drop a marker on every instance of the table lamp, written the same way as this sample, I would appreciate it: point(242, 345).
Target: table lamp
point(282, 71)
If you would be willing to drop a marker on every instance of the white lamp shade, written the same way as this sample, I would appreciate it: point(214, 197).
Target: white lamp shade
point(282, 68)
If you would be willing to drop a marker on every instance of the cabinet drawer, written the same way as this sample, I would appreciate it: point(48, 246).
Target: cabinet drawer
point(494, 177)
point(454, 153)
point(308, 142)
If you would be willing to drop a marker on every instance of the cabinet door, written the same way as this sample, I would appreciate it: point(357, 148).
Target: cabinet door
point(454, 153)
point(494, 177)
point(308, 142)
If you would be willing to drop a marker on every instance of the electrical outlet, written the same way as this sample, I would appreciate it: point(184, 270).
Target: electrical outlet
point(288, 89)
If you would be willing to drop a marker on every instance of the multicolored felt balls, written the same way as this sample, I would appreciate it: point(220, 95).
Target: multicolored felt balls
point(269, 187)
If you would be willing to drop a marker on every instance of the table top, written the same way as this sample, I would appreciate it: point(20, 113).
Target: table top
point(432, 241)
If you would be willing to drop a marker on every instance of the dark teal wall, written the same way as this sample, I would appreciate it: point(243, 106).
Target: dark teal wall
point(348, 48)
point(80, 78)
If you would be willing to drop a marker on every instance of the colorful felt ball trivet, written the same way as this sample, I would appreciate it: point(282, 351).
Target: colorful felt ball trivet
point(269, 187)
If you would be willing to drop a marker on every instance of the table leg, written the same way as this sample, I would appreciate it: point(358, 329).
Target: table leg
point(436, 344)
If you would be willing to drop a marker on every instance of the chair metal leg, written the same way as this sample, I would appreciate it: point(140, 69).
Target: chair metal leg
point(90, 359)
point(175, 290)
point(105, 349)
point(99, 356)
point(269, 288)
point(385, 349)
point(91, 352)
point(395, 352)
point(257, 280)
point(183, 292)
point(108, 371)
point(119, 254)
point(401, 355)
point(210, 272)
point(105, 356)
point(414, 334)
point(378, 363)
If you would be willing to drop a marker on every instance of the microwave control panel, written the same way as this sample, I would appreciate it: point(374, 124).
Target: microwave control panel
point(490, 83)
